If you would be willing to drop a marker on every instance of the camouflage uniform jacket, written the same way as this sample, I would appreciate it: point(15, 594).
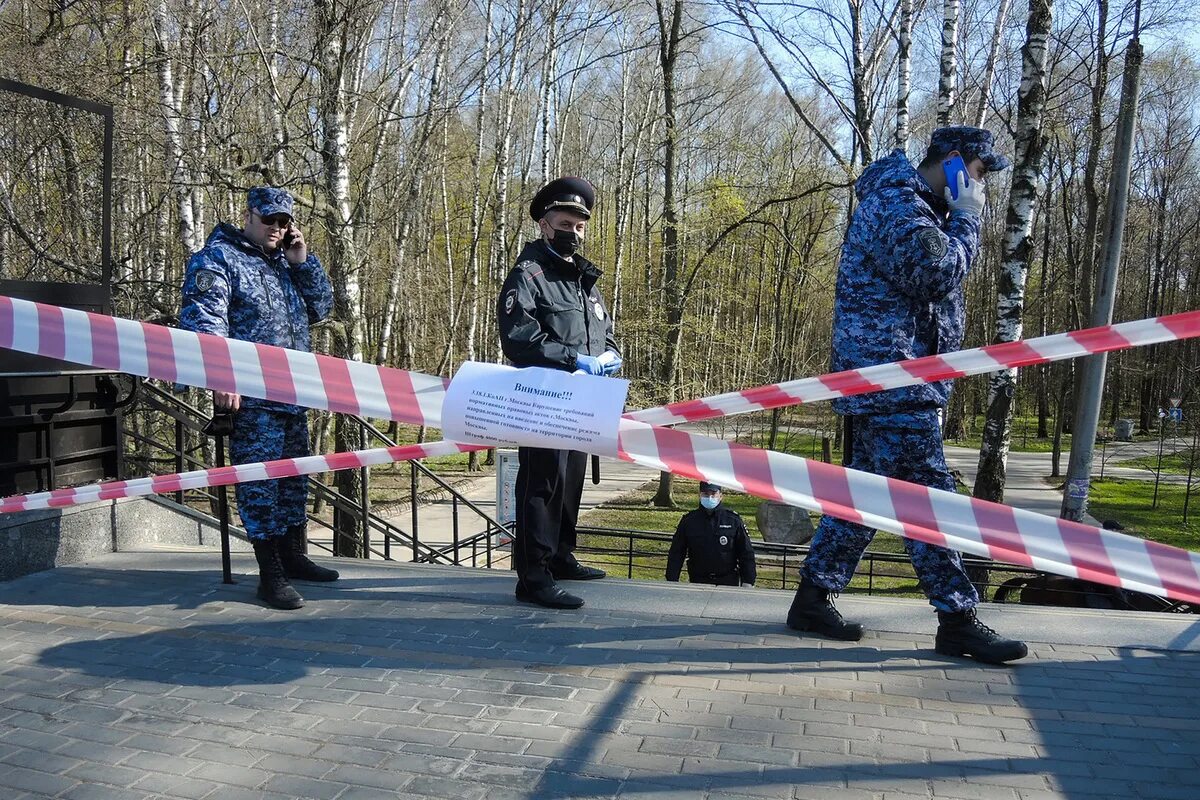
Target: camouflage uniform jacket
point(233, 288)
point(900, 283)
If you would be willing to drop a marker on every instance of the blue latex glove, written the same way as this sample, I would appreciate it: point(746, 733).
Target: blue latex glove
point(589, 364)
point(613, 364)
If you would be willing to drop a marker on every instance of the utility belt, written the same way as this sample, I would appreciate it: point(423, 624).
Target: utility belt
point(720, 579)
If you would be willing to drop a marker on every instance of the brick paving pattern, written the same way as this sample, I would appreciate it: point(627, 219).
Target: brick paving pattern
point(140, 676)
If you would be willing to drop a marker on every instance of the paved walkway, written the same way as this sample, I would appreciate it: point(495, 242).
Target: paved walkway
point(141, 676)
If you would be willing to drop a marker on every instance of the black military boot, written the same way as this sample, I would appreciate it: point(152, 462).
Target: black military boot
point(297, 565)
point(812, 610)
point(962, 634)
point(273, 586)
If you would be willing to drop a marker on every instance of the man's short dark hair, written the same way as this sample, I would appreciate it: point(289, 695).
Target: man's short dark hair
point(935, 154)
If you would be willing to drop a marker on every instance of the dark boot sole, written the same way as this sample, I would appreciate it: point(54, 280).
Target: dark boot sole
point(958, 651)
point(848, 634)
point(524, 598)
point(301, 576)
point(282, 605)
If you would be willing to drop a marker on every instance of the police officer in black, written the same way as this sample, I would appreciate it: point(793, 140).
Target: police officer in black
point(715, 542)
point(551, 314)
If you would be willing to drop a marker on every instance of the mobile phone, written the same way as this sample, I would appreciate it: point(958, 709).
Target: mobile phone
point(289, 237)
point(952, 166)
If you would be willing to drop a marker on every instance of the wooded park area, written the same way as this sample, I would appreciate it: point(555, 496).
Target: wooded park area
point(723, 138)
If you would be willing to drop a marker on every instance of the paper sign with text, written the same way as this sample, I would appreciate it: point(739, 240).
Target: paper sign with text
point(534, 407)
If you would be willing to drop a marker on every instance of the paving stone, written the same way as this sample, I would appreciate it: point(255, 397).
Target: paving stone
point(34, 782)
point(175, 786)
point(233, 774)
point(104, 773)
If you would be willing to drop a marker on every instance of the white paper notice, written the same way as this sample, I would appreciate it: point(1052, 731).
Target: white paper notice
point(535, 407)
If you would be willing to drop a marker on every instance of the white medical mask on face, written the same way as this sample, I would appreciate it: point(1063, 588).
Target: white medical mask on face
point(710, 501)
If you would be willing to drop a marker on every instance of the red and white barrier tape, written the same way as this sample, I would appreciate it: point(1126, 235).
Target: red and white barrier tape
point(918, 512)
point(958, 364)
point(227, 365)
point(226, 476)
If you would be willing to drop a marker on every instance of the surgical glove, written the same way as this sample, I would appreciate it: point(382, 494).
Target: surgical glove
point(589, 365)
point(971, 197)
point(611, 362)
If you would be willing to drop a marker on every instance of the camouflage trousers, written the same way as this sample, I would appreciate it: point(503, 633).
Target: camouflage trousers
point(906, 446)
point(268, 508)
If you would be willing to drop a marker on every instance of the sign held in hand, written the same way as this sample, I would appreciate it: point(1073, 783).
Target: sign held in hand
point(534, 407)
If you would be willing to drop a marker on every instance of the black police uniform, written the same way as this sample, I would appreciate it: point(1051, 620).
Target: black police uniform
point(550, 310)
point(716, 545)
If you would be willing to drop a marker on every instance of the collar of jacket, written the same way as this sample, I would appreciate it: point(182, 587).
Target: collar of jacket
point(893, 170)
point(539, 252)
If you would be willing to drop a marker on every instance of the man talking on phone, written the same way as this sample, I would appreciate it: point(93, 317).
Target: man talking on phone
point(259, 283)
point(907, 254)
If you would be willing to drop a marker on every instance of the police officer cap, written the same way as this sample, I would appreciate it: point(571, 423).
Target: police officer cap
point(705, 486)
point(564, 194)
point(977, 142)
point(267, 200)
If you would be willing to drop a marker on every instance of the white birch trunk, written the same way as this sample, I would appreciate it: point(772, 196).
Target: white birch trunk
point(1029, 145)
point(948, 76)
point(169, 102)
point(477, 197)
point(904, 73)
point(989, 70)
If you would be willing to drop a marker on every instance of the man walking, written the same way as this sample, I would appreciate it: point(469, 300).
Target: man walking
point(909, 248)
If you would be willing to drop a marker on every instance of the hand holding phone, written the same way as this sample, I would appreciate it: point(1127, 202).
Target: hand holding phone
point(962, 193)
point(953, 167)
point(294, 247)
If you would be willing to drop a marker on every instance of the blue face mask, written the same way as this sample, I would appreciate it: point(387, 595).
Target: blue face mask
point(710, 501)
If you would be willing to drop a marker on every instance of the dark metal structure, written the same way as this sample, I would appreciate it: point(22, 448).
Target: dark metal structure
point(60, 424)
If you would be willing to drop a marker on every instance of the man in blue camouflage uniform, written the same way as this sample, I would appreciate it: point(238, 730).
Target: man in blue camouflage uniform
point(909, 248)
point(260, 284)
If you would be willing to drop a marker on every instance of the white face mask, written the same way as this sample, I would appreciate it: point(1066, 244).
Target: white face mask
point(710, 501)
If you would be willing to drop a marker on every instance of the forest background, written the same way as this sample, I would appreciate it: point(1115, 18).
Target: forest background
point(723, 138)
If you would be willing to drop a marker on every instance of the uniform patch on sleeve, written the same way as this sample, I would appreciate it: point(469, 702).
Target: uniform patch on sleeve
point(205, 280)
point(510, 301)
point(932, 242)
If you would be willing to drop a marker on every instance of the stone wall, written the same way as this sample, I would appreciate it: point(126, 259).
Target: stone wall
point(32, 541)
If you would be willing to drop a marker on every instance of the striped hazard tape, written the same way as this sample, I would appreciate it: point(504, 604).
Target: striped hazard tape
point(917, 512)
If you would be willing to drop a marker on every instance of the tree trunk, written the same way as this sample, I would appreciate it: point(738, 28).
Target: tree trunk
point(1014, 268)
point(669, 37)
point(341, 260)
point(989, 70)
point(904, 73)
point(948, 63)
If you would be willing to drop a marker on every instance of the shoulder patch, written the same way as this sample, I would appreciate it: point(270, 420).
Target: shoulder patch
point(205, 280)
point(932, 241)
point(510, 301)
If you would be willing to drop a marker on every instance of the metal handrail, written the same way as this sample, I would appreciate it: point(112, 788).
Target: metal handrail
point(387, 440)
point(193, 418)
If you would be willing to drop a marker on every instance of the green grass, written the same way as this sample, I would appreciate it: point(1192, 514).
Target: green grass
point(1129, 502)
point(1172, 464)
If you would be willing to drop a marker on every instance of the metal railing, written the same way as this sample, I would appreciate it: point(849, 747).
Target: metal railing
point(639, 553)
point(373, 535)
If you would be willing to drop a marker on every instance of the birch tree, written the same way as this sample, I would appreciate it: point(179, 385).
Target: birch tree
point(948, 63)
point(1029, 145)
